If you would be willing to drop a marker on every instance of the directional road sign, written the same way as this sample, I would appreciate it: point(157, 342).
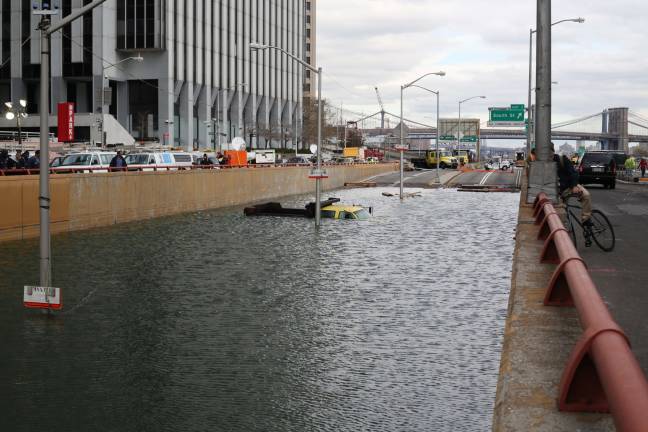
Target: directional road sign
point(469, 138)
point(512, 116)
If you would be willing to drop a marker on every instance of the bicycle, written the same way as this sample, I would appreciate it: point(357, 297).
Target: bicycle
point(600, 230)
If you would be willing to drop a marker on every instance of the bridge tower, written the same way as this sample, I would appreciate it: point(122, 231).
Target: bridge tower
point(615, 123)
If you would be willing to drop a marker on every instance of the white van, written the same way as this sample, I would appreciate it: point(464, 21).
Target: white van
point(158, 160)
point(93, 161)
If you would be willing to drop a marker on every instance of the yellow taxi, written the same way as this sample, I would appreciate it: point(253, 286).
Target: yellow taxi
point(341, 211)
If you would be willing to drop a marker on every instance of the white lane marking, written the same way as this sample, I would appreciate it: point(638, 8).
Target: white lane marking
point(483, 181)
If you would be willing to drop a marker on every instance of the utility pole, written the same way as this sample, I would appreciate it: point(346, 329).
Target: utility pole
point(542, 172)
point(46, 30)
point(543, 81)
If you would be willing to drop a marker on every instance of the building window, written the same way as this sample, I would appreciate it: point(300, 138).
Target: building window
point(308, 33)
point(308, 6)
point(308, 48)
point(137, 27)
point(308, 19)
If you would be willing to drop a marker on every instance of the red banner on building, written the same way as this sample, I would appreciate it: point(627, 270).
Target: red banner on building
point(66, 121)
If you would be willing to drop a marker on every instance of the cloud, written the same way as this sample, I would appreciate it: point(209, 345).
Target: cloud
point(484, 47)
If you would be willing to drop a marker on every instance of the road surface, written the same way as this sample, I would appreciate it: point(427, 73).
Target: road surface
point(450, 178)
point(622, 275)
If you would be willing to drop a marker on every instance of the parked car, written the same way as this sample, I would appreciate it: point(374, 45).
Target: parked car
point(149, 161)
point(298, 160)
point(598, 168)
point(90, 161)
point(55, 162)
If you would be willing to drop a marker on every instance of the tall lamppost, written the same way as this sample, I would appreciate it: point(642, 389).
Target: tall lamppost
point(46, 28)
point(459, 125)
point(317, 174)
point(17, 113)
point(402, 128)
point(531, 32)
point(436, 93)
point(137, 58)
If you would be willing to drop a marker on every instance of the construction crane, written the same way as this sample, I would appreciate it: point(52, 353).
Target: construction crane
point(382, 109)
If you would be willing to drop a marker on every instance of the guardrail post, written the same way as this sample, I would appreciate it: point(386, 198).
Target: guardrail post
point(558, 293)
point(580, 386)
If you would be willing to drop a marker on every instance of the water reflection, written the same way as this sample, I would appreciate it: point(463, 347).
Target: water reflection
point(213, 321)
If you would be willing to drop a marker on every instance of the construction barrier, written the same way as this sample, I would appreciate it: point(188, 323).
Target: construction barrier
point(602, 373)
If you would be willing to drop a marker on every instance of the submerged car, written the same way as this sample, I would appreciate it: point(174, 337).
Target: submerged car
point(341, 211)
point(330, 209)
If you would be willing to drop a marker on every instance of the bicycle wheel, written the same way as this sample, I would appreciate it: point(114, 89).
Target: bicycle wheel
point(571, 227)
point(602, 231)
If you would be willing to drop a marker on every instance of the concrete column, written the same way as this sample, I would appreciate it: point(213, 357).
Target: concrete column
point(204, 119)
point(542, 174)
point(123, 111)
point(187, 116)
point(543, 81)
point(165, 109)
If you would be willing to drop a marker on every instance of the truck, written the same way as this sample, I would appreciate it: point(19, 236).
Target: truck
point(265, 156)
point(358, 153)
point(446, 160)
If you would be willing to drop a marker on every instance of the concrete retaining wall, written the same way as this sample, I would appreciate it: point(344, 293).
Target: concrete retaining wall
point(81, 201)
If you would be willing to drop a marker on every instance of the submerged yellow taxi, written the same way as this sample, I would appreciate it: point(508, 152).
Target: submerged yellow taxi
point(341, 211)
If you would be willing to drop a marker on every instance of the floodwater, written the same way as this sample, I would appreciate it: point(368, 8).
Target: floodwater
point(215, 322)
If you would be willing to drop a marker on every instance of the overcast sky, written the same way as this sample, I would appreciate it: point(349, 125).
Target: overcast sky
point(483, 46)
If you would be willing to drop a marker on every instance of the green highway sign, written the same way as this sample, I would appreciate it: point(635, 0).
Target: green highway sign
point(508, 117)
point(469, 138)
point(448, 138)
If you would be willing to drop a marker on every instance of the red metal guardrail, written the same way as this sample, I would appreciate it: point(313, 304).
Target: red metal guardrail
point(74, 170)
point(602, 373)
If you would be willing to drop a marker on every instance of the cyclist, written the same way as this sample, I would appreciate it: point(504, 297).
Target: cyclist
point(569, 186)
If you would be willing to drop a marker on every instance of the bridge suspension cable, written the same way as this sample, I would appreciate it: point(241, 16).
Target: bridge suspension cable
point(578, 120)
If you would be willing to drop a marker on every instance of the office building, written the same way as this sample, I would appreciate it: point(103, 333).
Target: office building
point(198, 82)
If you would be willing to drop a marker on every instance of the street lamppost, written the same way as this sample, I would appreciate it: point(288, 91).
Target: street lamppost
point(402, 128)
point(531, 32)
point(318, 175)
point(46, 28)
point(459, 124)
point(436, 93)
point(17, 113)
point(137, 58)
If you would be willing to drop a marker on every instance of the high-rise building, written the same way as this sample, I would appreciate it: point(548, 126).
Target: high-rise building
point(310, 83)
point(198, 82)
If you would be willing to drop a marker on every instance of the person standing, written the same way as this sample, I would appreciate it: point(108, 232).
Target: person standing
point(204, 161)
point(642, 166)
point(630, 166)
point(4, 159)
point(34, 161)
point(118, 162)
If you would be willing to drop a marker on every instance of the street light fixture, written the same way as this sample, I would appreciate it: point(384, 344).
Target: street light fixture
point(318, 175)
point(531, 32)
point(138, 59)
point(18, 113)
point(402, 129)
point(459, 124)
point(436, 93)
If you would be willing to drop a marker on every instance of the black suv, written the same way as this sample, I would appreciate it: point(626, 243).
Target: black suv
point(598, 167)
